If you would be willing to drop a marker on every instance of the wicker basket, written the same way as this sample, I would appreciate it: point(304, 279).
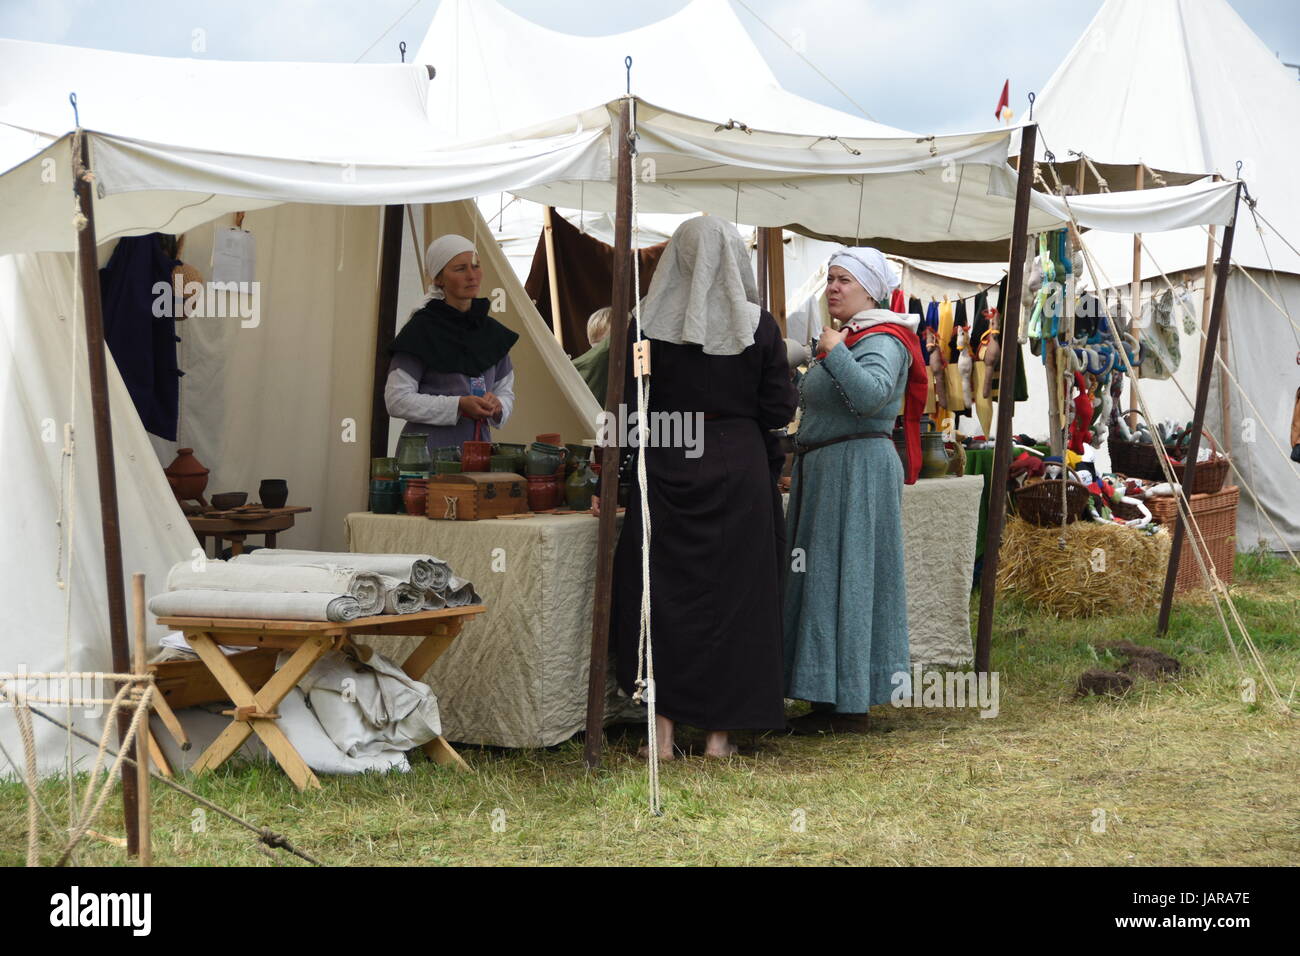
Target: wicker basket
point(1210, 475)
point(1216, 516)
point(1039, 503)
point(1137, 459)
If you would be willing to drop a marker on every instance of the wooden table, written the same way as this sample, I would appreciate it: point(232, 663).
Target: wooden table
point(255, 711)
point(234, 530)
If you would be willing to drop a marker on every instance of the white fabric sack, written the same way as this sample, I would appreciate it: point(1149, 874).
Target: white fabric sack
point(301, 725)
point(266, 605)
point(366, 586)
point(703, 292)
point(370, 708)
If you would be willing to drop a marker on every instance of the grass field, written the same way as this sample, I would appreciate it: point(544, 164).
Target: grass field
point(1176, 772)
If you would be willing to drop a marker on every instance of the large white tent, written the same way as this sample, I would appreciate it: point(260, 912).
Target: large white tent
point(311, 152)
point(1187, 89)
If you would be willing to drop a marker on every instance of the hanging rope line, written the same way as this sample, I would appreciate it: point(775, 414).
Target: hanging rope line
point(645, 665)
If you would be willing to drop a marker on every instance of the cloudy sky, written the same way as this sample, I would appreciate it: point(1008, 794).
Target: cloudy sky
point(933, 65)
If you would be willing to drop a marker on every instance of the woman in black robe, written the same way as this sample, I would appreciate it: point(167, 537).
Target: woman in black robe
point(714, 582)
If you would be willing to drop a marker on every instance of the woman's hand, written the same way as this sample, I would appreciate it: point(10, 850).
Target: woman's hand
point(496, 404)
point(829, 339)
point(476, 407)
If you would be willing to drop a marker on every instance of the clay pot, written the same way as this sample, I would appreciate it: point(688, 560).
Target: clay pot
point(273, 492)
point(416, 496)
point(385, 496)
point(550, 438)
point(475, 456)
point(543, 459)
point(187, 477)
point(229, 499)
point(544, 492)
point(934, 457)
point(383, 469)
point(582, 484)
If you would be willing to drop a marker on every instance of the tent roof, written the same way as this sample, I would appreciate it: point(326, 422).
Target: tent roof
point(700, 61)
point(1186, 88)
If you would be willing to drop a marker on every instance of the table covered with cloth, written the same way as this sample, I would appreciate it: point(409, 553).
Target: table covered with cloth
point(520, 679)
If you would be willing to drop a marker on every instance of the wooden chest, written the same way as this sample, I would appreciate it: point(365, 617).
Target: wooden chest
point(473, 495)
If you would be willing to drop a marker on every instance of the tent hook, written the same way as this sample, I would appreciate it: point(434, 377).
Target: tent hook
point(1031, 107)
point(76, 116)
point(401, 49)
point(627, 65)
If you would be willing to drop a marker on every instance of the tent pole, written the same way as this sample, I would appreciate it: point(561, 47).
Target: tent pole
point(776, 275)
point(607, 534)
point(1006, 399)
point(763, 252)
point(1198, 418)
point(390, 268)
point(1135, 308)
point(553, 280)
point(88, 273)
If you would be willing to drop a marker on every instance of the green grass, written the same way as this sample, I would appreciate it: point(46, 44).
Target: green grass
point(1185, 771)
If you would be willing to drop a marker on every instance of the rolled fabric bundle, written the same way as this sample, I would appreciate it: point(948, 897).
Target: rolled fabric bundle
point(422, 570)
point(264, 605)
point(461, 592)
point(365, 586)
point(434, 600)
point(401, 597)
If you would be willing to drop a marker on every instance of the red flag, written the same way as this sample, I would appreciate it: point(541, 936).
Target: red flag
point(1004, 100)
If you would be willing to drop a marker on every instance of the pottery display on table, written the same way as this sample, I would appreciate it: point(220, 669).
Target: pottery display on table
point(503, 463)
point(446, 453)
point(544, 492)
point(383, 469)
point(225, 500)
point(187, 477)
point(543, 459)
point(550, 438)
point(415, 496)
point(576, 453)
point(447, 467)
point(413, 458)
point(514, 451)
point(581, 485)
point(273, 492)
point(385, 496)
point(475, 455)
point(934, 456)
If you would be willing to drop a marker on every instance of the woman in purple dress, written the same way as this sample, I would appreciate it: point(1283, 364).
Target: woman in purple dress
point(451, 374)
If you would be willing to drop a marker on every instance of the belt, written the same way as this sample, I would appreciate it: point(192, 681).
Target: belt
point(800, 451)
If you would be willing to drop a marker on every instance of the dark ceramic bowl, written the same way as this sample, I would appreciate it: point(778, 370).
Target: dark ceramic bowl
point(229, 499)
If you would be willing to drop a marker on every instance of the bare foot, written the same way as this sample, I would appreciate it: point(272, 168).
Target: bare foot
point(718, 744)
point(644, 753)
point(664, 737)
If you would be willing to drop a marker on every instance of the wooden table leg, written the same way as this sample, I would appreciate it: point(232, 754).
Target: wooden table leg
point(270, 539)
point(264, 701)
point(419, 661)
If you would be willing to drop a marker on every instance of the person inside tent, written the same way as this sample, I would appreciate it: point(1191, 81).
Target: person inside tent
point(593, 364)
point(845, 600)
point(451, 374)
point(717, 359)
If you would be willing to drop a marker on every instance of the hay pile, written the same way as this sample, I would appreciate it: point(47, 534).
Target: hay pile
point(1103, 568)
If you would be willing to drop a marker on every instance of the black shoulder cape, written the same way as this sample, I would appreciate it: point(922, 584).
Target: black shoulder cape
point(446, 339)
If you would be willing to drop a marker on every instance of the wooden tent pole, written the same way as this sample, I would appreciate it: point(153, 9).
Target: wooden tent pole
point(553, 280)
point(390, 268)
point(88, 273)
point(1135, 309)
point(763, 253)
point(607, 534)
point(1006, 399)
point(1198, 417)
point(140, 668)
point(776, 276)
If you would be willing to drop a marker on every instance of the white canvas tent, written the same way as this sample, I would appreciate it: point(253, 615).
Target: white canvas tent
point(271, 145)
point(1197, 93)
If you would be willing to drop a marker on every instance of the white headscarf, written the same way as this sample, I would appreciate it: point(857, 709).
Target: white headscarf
point(703, 292)
point(871, 269)
point(440, 252)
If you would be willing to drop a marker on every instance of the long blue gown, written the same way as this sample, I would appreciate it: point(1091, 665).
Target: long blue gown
point(846, 610)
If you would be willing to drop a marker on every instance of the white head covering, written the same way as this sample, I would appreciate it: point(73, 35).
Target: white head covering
point(440, 252)
point(871, 269)
point(703, 292)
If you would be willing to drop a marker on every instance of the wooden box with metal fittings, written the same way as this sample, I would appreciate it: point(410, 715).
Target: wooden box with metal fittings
point(475, 495)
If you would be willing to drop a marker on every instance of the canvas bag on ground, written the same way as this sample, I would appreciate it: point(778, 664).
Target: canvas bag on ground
point(368, 708)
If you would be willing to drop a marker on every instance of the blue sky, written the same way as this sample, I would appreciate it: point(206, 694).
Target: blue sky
point(930, 65)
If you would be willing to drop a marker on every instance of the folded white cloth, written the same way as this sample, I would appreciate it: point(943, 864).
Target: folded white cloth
point(372, 708)
point(460, 593)
point(265, 605)
point(366, 586)
point(422, 570)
